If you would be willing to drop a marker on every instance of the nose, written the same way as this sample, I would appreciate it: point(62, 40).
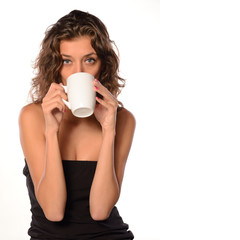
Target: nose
point(78, 67)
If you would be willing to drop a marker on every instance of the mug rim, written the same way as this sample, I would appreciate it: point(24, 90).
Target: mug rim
point(80, 73)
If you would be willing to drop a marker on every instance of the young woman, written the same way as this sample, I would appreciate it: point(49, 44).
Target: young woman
point(75, 166)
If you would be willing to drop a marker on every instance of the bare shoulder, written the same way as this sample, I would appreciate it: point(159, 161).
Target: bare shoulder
point(124, 116)
point(125, 129)
point(31, 109)
point(32, 139)
point(125, 123)
point(31, 114)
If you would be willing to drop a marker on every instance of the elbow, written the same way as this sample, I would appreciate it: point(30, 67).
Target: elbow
point(99, 214)
point(53, 211)
point(54, 216)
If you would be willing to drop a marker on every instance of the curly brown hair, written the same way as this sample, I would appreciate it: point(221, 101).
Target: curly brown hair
point(49, 61)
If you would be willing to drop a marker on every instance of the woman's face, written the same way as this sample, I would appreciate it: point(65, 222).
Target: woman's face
point(78, 55)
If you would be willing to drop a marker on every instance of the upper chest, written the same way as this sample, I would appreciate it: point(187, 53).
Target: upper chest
point(80, 141)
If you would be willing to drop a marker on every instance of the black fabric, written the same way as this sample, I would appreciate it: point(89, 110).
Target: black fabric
point(77, 223)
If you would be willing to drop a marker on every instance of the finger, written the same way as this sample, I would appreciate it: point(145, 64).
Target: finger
point(98, 87)
point(53, 93)
point(60, 93)
point(109, 99)
point(53, 88)
point(57, 99)
point(111, 107)
point(53, 105)
point(53, 98)
point(102, 102)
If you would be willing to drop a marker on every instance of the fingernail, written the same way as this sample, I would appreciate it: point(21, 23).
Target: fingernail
point(96, 88)
point(96, 80)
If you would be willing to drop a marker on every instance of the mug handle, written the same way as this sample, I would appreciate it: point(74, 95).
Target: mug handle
point(66, 102)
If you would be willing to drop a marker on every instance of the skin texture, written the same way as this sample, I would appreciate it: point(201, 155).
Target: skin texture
point(49, 133)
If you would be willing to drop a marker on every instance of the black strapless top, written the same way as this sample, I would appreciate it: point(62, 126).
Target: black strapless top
point(77, 223)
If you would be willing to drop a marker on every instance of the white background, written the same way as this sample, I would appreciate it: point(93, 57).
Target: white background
point(182, 69)
point(134, 26)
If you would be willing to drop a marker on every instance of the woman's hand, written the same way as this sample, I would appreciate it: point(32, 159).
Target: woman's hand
point(106, 111)
point(53, 106)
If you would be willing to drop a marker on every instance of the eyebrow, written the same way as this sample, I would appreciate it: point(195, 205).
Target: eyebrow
point(87, 55)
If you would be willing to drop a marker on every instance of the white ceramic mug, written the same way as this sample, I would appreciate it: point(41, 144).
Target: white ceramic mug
point(81, 94)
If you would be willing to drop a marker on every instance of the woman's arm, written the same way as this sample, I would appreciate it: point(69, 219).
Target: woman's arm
point(41, 150)
point(105, 188)
point(116, 143)
point(51, 190)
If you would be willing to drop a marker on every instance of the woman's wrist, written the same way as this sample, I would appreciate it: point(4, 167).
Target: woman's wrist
point(51, 132)
point(108, 131)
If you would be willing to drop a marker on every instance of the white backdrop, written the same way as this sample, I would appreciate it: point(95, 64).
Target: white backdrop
point(182, 176)
point(129, 23)
point(199, 134)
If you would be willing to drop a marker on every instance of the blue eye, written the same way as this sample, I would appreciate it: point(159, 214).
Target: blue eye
point(66, 61)
point(90, 60)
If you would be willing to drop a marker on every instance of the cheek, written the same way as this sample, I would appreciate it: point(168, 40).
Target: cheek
point(64, 74)
point(96, 74)
point(97, 71)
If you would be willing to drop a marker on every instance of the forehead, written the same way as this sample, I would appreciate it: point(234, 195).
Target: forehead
point(77, 46)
